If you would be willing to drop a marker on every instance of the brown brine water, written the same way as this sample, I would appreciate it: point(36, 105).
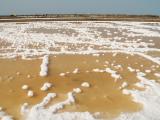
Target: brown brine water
point(103, 96)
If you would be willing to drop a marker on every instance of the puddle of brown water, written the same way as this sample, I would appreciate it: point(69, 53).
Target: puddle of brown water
point(103, 95)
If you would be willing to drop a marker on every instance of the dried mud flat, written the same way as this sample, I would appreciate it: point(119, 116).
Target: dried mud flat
point(85, 70)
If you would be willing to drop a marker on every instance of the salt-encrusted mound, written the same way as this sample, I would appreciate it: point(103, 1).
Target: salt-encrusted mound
point(46, 86)
point(44, 66)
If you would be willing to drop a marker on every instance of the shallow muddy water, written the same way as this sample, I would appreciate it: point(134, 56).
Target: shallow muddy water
point(104, 95)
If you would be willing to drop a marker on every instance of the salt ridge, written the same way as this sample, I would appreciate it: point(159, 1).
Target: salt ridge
point(149, 98)
point(44, 66)
point(40, 112)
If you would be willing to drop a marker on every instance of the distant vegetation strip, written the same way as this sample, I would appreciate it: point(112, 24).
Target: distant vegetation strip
point(79, 17)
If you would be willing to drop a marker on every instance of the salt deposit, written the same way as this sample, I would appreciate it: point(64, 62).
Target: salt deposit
point(44, 66)
point(50, 112)
point(75, 71)
point(5, 116)
point(124, 84)
point(97, 55)
point(23, 40)
point(149, 98)
point(24, 108)
point(118, 67)
point(25, 87)
point(85, 84)
point(30, 93)
point(55, 108)
point(39, 112)
point(113, 73)
point(157, 74)
point(20, 36)
point(46, 100)
point(77, 90)
point(131, 69)
point(46, 86)
point(97, 70)
point(147, 71)
point(62, 74)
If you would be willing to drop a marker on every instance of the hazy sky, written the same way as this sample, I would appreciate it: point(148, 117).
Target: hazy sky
point(80, 6)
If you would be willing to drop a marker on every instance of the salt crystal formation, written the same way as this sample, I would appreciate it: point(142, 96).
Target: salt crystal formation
point(46, 86)
point(44, 66)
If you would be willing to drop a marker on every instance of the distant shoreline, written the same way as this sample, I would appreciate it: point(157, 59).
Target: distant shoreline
point(79, 17)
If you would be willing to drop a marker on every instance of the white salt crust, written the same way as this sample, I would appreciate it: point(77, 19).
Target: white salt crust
point(131, 69)
point(124, 85)
point(157, 74)
point(149, 98)
point(75, 71)
point(85, 84)
point(62, 74)
point(46, 86)
point(5, 116)
point(24, 108)
point(113, 73)
point(44, 66)
point(30, 93)
point(20, 36)
point(147, 71)
point(40, 112)
point(25, 87)
point(77, 90)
